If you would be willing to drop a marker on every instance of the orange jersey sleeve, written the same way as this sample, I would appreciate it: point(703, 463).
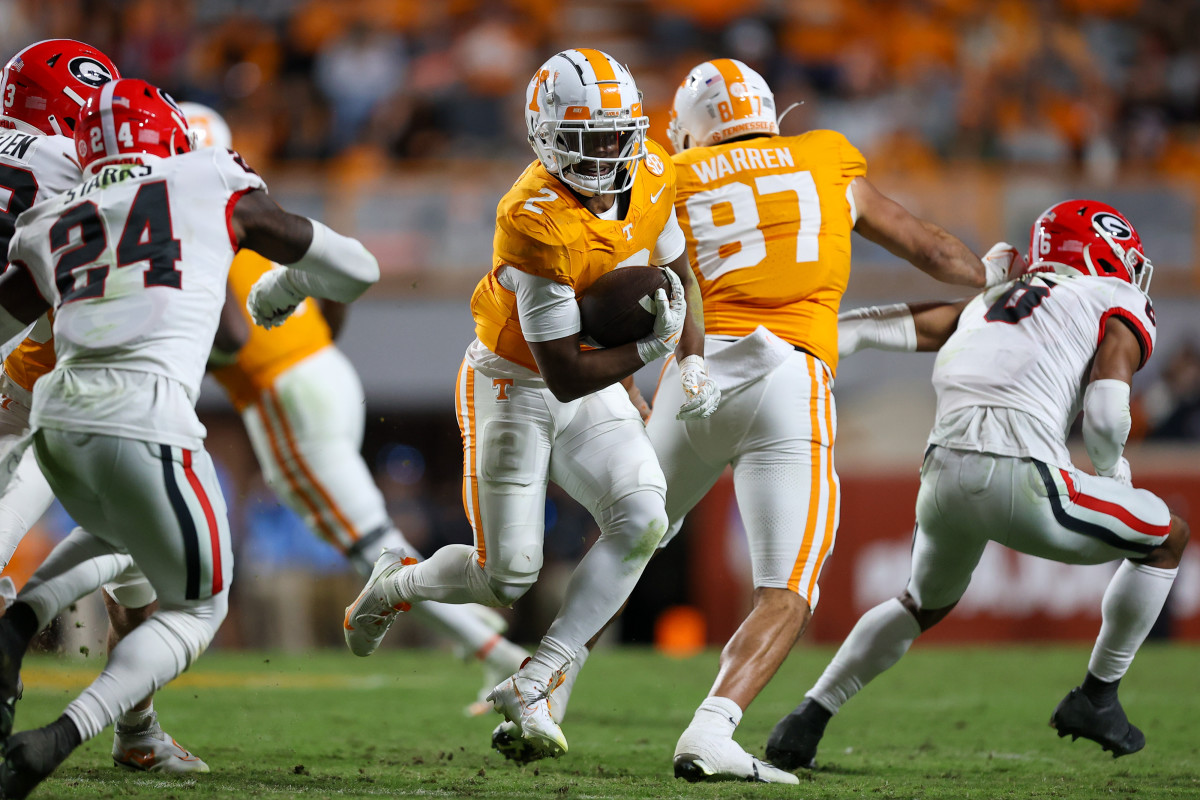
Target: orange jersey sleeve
point(768, 224)
point(267, 353)
point(33, 357)
point(543, 229)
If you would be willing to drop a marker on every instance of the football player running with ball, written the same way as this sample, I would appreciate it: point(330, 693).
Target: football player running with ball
point(134, 262)
point(535, 406)
point(1015, 366)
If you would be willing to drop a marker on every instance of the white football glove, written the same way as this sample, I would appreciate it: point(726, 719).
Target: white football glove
point(701, 392)
point(668, 321)
point(1121, 473)
point(998, 261)
point(273, 298)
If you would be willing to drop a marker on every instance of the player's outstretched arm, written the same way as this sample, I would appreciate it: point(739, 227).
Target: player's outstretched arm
point(320, 262)
point(1106, 419)
point(20, 302)
point(923, 244)
point(904, 327)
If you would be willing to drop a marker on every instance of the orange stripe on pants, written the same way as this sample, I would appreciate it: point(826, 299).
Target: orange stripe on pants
point(464, 403)
point(831, 506)
point(314, 484)
point(814, 490)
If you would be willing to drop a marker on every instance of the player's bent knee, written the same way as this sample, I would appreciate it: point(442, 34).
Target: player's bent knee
point(926, 617)
point(1169, 553)
point(509, 589)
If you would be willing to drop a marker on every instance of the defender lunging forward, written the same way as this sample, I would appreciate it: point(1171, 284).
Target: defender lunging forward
point(1015, 367)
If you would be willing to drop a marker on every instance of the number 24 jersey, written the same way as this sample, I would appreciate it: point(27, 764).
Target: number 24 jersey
point(134, 261)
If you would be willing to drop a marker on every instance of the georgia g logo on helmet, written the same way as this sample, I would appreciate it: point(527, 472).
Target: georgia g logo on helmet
point(88, 70)
point(1113, 225)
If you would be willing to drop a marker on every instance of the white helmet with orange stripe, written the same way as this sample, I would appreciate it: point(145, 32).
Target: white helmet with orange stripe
point(719, 100)
point(207, 127)
point(583, 113)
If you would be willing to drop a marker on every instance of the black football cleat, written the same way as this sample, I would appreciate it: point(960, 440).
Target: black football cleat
point(793, 742)
point(1077, 715)
point(30, 757)
point(508, 741)
point(12, 650)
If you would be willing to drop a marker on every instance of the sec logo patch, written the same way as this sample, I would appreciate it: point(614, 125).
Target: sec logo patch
point(654, 164)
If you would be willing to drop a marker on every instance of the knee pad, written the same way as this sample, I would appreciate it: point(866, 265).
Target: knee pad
point(508, 589)
point(640, 517)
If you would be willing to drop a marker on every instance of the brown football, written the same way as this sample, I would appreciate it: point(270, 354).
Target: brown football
point(619, 307)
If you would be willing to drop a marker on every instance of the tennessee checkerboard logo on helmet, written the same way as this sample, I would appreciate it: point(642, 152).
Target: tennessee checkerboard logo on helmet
point(719, 100)
point(1088, 237)
point(583, 114)
point(128, 117)
point(44, 87)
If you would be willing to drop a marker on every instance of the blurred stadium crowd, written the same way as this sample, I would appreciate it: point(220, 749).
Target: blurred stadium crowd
point(1090, 84)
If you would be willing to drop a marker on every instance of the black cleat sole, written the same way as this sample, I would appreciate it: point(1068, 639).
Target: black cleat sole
point(687, 768)
point(1108, 727)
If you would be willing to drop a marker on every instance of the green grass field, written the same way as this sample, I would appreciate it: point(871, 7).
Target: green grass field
point(945, 723)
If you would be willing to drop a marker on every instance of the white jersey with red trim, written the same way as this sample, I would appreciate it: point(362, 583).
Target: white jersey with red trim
point(33, 168)
point(134, 260)
point(1010, 381)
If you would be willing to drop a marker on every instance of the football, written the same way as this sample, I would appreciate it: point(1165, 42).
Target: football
point(619, 307)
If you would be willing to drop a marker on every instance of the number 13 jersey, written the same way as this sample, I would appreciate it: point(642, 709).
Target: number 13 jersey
point(768, 224)
point(134, 260)
point(1010, 381)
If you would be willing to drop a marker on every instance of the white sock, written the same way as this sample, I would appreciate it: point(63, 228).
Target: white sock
point(461, 624)
point(550, 660)
point(77, 566)
point(717, 716)
point(601, 583)
point(1132, 602)
point(562, 695)
point(451, 575)
point(25, 499)
point(136, 719)
point(878, 640)
point(146, 660)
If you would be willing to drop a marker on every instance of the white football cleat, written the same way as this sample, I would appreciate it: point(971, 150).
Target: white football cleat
point(371, 614)
point(504, 660)
point(700, 757)
point(151, 749)
point(525, 703)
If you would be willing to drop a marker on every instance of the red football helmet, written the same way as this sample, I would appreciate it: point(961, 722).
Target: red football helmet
point(1089, 237)
point(129, 116)
point(45, 86)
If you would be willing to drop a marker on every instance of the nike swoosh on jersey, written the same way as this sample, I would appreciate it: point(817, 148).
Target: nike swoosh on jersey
point(654, 197)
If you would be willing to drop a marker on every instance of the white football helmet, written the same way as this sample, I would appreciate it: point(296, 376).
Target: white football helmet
point(718, 100)
point(207, 127)
point(583, 113)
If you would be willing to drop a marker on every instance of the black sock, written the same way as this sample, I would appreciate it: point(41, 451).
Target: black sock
point(1098, 691)
point(66, 734)
point(817, 714)
point(23, 621)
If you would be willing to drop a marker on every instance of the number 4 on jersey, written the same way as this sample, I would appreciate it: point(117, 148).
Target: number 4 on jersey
point(147, 237)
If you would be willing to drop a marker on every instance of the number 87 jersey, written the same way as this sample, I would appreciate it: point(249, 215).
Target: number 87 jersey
point(768, 223)
point(134, 259)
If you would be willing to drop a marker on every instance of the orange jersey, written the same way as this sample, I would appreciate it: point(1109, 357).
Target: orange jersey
point(267, 353)
point(543, 229)
point(768, 227)
point(33, 357)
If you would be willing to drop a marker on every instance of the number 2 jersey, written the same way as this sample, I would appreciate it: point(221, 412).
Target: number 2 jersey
point(1010, 381)
point(134, 261)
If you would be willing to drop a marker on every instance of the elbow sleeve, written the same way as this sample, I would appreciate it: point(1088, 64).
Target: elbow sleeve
point(335, 267)
point(1106, 422)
